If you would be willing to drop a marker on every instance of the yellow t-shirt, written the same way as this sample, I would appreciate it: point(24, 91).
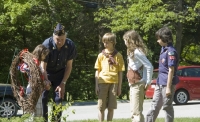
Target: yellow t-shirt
point(109, 73)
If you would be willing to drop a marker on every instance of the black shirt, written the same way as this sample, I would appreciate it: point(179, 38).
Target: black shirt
point(57, 59)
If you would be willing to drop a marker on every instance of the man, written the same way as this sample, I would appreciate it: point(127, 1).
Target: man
point(167, 78)
point(57, 66)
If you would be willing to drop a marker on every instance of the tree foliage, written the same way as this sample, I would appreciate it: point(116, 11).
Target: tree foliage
point(27, 23)
point(147, 16)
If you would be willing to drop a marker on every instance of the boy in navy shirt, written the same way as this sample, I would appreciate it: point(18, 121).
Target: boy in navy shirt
point(167, 78)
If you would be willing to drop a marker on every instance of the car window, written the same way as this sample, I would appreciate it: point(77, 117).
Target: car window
point(191, 72)
point(179, 73)
point(197, 72)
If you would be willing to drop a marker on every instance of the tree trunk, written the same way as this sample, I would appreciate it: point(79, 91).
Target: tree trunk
point(179, 30)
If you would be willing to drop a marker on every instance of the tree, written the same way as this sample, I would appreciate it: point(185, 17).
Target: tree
point(26, 23)
point(148, 16)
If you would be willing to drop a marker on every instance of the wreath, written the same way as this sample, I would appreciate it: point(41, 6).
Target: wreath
point(27, 102)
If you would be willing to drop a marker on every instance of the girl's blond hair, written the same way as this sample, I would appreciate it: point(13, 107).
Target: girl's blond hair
point(134, 41)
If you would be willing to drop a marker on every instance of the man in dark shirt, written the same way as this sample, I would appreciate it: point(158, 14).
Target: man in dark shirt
point(167, 78)
point(57, 66)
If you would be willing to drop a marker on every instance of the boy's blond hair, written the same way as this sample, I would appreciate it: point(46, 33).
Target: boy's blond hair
point(110, 37)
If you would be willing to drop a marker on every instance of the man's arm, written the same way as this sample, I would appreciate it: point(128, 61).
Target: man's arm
point(68, 70)
point(61, 87)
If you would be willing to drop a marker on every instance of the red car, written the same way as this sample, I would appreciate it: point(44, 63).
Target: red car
point(187, 89)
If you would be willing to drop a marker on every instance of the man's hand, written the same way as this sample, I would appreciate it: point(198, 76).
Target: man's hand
point(61, 90)
point(168, 91)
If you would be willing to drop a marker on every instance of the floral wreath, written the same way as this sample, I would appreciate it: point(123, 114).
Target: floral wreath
point(27, 102)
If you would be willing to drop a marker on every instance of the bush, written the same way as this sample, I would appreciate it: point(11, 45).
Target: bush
point(31, 118)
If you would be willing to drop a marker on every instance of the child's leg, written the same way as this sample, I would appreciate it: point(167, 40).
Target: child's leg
point(38, 109)
point(112, 100)
point(110, 114)
point(136, 102)
point(102, 100)
point(101, 115)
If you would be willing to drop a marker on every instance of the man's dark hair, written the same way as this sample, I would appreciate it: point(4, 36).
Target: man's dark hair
point(164, 34)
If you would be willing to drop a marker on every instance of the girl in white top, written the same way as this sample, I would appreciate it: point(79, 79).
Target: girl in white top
point(136, 52)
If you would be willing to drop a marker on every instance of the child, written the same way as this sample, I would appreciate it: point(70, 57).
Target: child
point(39, 53)
point(109, 66)
point(137, 60)
point(167, 78)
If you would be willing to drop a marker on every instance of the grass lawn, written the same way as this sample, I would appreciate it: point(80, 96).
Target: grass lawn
point(157, 120)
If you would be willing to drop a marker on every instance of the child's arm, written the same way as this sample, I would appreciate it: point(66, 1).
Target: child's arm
point(169, 80)
point(43, 67)
point(119, 83)
point(44, 73)
point(96, 82)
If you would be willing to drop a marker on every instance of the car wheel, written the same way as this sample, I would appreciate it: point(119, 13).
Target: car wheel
point(181, 97)
point(8, 108)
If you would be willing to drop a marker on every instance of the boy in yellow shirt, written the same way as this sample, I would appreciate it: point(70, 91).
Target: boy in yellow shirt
point(108, 76)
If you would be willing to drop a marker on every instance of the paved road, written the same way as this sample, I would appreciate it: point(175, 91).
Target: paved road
point(88, 111)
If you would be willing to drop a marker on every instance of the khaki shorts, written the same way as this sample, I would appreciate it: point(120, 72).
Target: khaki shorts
point(107, 96)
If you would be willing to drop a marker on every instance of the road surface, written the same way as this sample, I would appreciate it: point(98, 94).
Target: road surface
point(88, 110)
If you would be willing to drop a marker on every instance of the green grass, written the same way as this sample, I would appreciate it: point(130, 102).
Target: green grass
point(157, 120)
